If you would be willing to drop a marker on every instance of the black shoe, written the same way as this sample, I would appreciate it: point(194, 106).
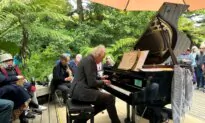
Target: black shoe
point(37, 111)
point(30, 115)
point(24, 120)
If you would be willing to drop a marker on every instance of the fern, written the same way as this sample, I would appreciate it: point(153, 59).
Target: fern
point(85, 50)
point(121, 46)
point(47, 32)
point(55, 16)
point(25, 15)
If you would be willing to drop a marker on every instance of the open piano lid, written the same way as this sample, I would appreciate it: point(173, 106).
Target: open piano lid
point(161, 31)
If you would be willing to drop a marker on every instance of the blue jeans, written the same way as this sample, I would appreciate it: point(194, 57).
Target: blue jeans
point(200, 77)
point(6, 108)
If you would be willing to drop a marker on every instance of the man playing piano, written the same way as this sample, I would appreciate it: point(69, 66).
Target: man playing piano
point(85, 86)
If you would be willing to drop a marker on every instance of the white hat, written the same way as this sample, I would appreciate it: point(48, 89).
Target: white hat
point(5, 57)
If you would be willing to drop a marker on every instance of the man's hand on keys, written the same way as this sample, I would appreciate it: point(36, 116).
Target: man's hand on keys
point(107, 82)
point(104, 77)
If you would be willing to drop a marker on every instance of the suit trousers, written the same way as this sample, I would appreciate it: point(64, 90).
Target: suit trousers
point(104, 101)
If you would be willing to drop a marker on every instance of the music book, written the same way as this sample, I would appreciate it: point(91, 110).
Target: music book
point(133, 60)
point(128, 60)
point(142, 55)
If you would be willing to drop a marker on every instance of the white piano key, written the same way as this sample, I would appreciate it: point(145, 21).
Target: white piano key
point(120, 89)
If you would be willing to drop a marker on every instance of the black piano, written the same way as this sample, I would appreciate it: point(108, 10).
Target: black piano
point(148, 88)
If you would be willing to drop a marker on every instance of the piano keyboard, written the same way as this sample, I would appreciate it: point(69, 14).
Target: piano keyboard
point(120, 90)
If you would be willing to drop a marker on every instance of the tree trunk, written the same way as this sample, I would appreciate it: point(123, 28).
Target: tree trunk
point(80, 10)
point(24, 42)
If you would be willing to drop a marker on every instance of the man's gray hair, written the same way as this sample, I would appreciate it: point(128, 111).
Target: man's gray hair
point(64, 56)
point(78, 56)
point(98, 50)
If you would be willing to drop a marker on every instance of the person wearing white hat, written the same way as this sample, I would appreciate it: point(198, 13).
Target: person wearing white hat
point(9, 90)
point(10, 69)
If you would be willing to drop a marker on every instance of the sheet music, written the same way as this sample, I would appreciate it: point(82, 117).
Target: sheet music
point(128, 60)
point(141, 59)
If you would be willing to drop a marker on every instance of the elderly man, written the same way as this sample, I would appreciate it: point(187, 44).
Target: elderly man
point(74, 63)
point(85, 86)
point(10, 77)
point(62, 76)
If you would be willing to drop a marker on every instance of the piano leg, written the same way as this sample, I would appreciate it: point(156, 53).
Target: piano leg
point(133, 114)
point(132, 120)
point(127, 119)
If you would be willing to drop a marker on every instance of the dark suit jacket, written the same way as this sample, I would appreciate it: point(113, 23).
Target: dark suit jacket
point(85, 84)
point(59, 74)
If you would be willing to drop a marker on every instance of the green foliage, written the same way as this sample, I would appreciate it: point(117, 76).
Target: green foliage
point(31, 19)
point(13, 47)
point(44, 29)
point(41, 64)
point(119, 47)
point(195, 33)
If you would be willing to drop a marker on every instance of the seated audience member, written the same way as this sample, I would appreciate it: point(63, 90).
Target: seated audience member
point(6, 108)
point(85, 86)
point(109, 62)
point(74, 63)
point(67, 54)
point(62, 76)
point(10, 89)
point(9, 69)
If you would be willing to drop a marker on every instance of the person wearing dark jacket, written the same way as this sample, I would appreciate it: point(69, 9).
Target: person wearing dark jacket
point(62, 76)
point(10, 90)
point(200, 61)
point(85, 86)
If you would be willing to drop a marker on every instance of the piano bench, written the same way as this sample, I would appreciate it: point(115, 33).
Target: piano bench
point(79, 110)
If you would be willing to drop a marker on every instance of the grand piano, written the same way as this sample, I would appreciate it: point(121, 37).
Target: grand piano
point(151, 89)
